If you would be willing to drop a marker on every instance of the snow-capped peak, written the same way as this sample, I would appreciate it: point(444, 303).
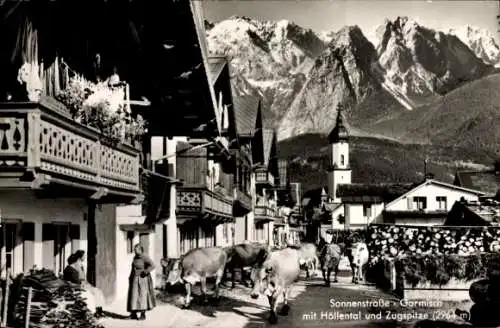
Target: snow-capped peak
point(481, 41)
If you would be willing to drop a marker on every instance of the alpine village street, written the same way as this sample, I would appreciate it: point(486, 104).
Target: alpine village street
point(154, 165)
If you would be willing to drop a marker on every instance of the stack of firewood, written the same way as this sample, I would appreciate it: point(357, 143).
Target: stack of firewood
point(52, 303)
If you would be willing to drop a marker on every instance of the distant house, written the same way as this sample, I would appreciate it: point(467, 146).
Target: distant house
point(485, 212)
point(356, 205)
point(426, 204)
point(487, 181)
point(364, 203)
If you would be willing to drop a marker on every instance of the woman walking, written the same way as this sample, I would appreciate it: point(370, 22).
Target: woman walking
point(141, 296)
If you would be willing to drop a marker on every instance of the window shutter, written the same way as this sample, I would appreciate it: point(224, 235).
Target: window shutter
point(144, 241)
point(48, 246)
point(28, 245)
point(74, 236)
point(410, 203)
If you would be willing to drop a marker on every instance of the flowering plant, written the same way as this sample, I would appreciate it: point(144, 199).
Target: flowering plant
point(101, 107)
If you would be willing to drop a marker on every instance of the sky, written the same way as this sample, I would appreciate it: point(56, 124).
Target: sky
point(331, 15)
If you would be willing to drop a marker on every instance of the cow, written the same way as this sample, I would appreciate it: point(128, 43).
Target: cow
point(274, 277)
point(197, 265)
point(330, 260)
point(309, 258)
point(360, 256)
point(242, 256)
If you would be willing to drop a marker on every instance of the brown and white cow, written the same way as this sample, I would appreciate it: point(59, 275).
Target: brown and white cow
point(196, 265)
point(242, 256)
point(274, 277)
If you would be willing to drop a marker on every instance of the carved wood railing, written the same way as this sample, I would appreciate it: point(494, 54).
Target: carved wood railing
point(264, 212)
point(200, 200)
point(41, 138)
point(243, 198)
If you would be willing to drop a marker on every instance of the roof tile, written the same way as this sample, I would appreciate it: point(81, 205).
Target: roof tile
point(245, 110)
point(383, 191)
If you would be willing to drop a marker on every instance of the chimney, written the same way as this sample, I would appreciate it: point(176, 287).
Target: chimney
point(429, 176)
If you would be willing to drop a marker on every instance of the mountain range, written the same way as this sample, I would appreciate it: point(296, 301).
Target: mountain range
point(413, 84)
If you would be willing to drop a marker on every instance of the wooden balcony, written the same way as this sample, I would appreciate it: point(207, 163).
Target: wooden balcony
point(42, 148)
point(264, 213)
point(194, 202)
point(264, 178)
point(242, 203)
point(279, 221)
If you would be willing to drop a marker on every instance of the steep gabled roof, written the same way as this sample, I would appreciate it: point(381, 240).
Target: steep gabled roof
point(245, 110)
point(268, 136)
point(487, 181)
point(215, 67)
point(439, 183)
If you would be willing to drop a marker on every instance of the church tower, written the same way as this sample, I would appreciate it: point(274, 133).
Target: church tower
point(339, 171)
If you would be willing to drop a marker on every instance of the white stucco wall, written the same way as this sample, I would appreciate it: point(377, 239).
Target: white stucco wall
point(22, 205)
point(431, 191)
point(355, 216)
point(335, 214)
point(130, 214)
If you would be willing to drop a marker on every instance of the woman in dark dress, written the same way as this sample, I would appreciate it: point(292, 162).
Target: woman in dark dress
point(141, 297)
point(72, 271)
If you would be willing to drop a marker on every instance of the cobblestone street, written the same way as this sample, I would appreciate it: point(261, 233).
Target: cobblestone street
point(310, 307)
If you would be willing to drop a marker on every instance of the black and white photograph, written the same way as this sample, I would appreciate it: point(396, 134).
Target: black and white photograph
point(249, 163)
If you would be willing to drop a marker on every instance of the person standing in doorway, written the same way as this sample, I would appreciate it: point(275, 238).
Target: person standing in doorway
point(95, 300)
point(141, 297)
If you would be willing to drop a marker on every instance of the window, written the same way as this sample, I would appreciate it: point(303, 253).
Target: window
point(213, 179)
point(61, 241)
point(225, 232)
point(9, 232)
point(130, 241)
point(367, 210)
point(208, 233)
point(342, 160)
point(188, 238)
point(441, 203)
point(420, 203)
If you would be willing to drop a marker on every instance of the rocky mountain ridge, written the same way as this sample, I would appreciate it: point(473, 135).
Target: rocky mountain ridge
point(303, 76)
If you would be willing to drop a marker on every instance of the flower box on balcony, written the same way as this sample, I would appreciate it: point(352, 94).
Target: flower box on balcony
point(40, 139)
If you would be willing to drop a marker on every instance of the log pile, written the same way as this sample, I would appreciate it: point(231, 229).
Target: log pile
point(393, 241)
point(54, 303)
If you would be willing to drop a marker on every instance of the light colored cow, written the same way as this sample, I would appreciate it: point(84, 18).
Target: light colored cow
point(360, 257)
point(309, 258)
point(196, 266)
point(274, 277)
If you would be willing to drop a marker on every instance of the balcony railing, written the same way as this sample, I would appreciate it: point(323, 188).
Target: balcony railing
point(264, 178)
point(264, 212)
point(40, 138)
point(242, 202)
point(193, 201)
